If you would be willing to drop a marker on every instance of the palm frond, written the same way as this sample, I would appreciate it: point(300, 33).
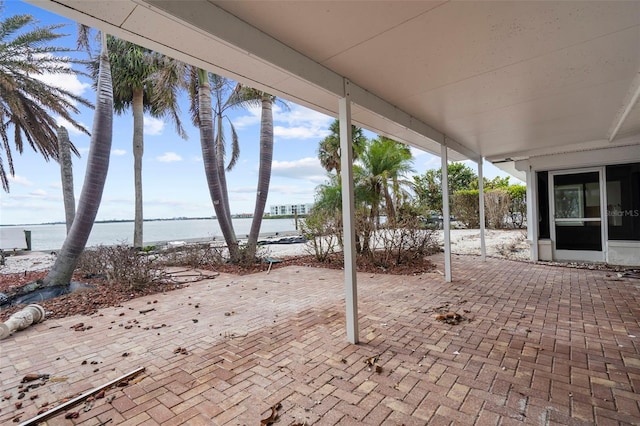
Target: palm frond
point(235, 147)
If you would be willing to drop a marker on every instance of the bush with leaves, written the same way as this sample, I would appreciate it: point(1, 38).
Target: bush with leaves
point(322, 229)
point(466, 207)
point(518, 205)
point(403, 243)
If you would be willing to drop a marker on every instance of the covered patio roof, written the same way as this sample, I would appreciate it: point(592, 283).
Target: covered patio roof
point(505, 81)
point(501, 80)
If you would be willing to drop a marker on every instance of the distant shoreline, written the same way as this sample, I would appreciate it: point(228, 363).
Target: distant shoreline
point(114, 221)
point(234, 216)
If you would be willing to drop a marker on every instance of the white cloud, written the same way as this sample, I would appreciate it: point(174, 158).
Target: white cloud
point(70, 128)
point(291, 190)
point(245, 189)
point(427, 162)
point(307, 168)
point(19, 180)
point(295, 123)
point(252, 119)
point(38, 193)
point(68, 82)
point(300, 122)
point(153, 126)
point(298, 132)
point(169, 157)
point(118, 152)
point(416, 152)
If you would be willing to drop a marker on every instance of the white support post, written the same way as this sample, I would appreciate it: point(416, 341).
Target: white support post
point(483, 247)
point(446, 216)
point(532, 213)
point(348, 219)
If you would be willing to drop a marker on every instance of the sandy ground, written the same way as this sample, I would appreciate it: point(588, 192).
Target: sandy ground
point(510, 244)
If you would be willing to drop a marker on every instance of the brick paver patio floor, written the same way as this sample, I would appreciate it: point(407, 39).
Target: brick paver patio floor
point(542, 345)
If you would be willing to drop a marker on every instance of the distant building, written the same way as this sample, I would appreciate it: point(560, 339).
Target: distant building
point(290, 209)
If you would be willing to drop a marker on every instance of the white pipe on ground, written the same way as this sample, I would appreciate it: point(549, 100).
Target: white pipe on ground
point(32, 314)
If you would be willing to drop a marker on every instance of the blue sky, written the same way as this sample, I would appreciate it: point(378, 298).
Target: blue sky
point(174, 184)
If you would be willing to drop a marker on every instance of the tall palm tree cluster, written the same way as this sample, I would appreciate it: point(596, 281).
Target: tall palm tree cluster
point(381, 185)
point(29, 106)
point(126, 76)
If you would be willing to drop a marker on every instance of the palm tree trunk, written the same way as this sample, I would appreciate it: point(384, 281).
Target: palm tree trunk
point(264, 174)
point(222, 176)
point(66, 175)
point(388, 201)
point(210, 161)
point(94, 180)
point(138, 151)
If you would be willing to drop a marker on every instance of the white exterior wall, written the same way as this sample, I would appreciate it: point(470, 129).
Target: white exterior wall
point(625, 253)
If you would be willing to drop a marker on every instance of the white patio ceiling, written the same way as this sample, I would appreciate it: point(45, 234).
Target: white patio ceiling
point(502, 80)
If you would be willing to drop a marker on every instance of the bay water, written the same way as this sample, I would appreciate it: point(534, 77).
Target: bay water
point(51, 237)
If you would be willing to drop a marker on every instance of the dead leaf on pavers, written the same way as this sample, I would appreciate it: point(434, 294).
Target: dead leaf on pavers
point(34, 376)
point(88, 405)
point(274, 415)
point(180, 350)
point(137, 379)
point(372, 363)
point(233, 335)
point(452, 318)
point(81, 327)
point(58, 379)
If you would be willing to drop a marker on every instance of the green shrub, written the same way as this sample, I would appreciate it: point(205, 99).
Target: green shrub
point(518, 205)
point(322, 229)
point(401, 244)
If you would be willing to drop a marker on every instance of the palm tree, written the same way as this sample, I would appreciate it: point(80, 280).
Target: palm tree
point(26, 103)
point(95, 177)
point(202, 88)
point(329, 149)
point(248, 96)
point(202, 112)
point(225, 94)
point(66, 176)
point(383, 166)
point(132, 69)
